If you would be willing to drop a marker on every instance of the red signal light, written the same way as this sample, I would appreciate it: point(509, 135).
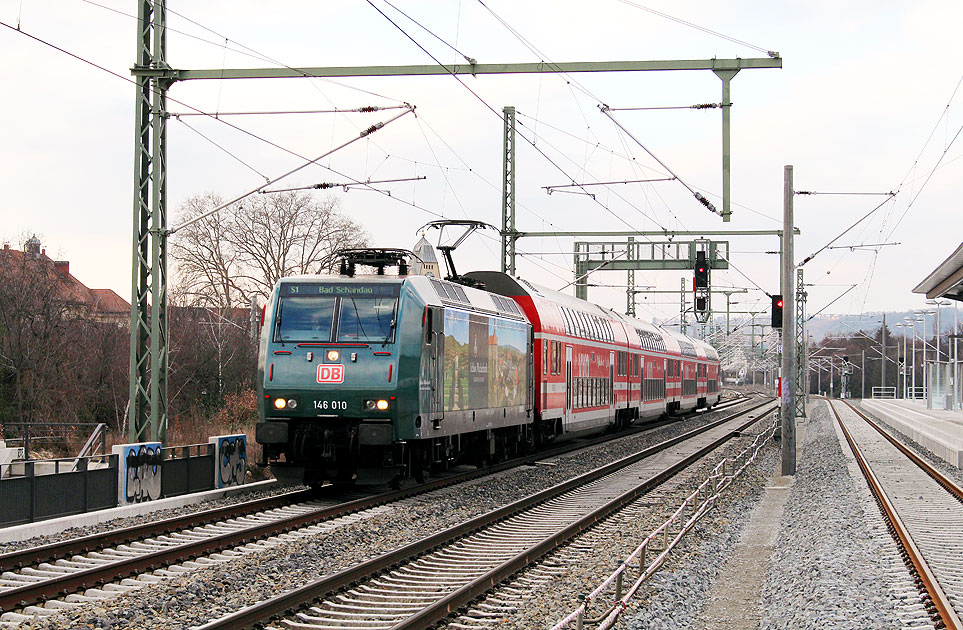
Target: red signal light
point(779, 303)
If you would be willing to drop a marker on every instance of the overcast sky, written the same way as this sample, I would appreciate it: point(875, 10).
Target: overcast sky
point(862, 104)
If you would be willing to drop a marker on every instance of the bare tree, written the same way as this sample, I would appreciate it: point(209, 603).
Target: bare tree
point(57, 362)
point(210, 273)
point(32, 326)
point(244, 250)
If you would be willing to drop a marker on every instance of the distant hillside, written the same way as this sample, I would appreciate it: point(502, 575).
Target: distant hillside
point(831, 325)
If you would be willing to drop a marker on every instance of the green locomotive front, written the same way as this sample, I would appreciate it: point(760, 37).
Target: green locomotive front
point(376, 378)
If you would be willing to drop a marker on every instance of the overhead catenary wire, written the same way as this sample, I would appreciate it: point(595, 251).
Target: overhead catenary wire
point(596, 268)
point(699, 28)
point(926, 181)
point(273, 144)
point(363, 134)
point(699, 197)
point(836, 299)
point(243, 50)
point(648, 109)
point(235, 127)
point(814, 192)
point(224, 149)
point(550, 189)
point(844, 232)
point(470, 60)
point(367, 109)
point(862, 246)
point(490, 108)
point(179, 102)
point(345, 186)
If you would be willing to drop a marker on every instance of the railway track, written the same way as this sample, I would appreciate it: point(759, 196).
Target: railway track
point(426, 581)
point(923, 507)
point(42, 580)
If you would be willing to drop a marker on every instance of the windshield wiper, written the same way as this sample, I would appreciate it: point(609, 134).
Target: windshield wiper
point(391, 329)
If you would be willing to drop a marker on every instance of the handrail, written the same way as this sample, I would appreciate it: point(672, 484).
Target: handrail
point(700, 501)
point(98, 434)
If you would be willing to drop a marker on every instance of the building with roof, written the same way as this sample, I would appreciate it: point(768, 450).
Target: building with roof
point(428, 265)
point(946, 281)
point(100, 304)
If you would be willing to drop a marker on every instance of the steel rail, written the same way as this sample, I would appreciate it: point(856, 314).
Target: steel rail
point(25, 557)
point(261, 612)
point(70, 582)
point(932, 587)
point(947, 483)
point(18, 559)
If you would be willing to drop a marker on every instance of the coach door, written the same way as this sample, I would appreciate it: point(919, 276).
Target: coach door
point(612, 383)
point(567, 418)
point(436, 364)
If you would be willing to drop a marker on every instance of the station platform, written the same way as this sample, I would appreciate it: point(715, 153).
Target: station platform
point(939, 431)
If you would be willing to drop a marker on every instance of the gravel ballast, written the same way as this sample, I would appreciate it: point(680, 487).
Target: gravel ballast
point(589, 560)
point(835, 566)
point(203, 594)
point(151, 517)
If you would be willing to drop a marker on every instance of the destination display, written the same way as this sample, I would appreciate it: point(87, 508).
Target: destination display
point(342, 290)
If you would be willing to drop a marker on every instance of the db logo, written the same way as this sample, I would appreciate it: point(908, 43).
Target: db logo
point(330, 373)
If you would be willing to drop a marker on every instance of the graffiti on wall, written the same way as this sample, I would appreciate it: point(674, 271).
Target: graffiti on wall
point(231, 456)
point(142, 472)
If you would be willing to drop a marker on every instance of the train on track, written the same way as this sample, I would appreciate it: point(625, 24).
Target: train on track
point(378, 378)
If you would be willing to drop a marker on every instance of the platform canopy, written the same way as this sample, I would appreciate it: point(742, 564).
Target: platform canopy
point(946, 281)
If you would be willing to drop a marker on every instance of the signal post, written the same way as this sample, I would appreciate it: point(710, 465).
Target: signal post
point(787, 407)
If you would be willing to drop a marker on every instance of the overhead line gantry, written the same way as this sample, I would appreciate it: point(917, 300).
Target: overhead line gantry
point(147, 408)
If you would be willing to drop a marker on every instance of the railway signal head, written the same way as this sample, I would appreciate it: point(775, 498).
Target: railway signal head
point(701, 270)
point(777, 311)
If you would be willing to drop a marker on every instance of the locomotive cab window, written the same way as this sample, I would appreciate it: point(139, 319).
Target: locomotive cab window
point(343, 312)
point(367, 319)
point(308, 318)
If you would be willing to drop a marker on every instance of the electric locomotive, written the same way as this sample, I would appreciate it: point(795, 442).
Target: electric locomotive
point(388, 376)
point(377, 378)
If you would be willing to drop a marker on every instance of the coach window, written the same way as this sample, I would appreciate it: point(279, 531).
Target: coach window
point(544, 357)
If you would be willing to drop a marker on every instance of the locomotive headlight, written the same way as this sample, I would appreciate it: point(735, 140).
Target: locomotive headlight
point(280, 403)
point(369, 405)
point(292, 403)
point(333, 355)
point(382, 405)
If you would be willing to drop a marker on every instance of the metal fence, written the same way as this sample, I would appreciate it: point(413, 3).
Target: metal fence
point(884, 392)
point(89, 436)
point(37, 490)
point(186, 469)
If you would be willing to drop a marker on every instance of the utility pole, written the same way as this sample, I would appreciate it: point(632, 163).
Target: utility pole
point(508, 193)
point(787, 406)
point(863, 377)
point(147, 407)
point(882, 337)
point(682, 322)
point(147, 402)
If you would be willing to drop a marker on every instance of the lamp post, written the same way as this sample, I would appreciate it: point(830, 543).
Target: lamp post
point(904, 326)
point(813, 357)
point(938, 304)
point(923, 320)
point(924, 312)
